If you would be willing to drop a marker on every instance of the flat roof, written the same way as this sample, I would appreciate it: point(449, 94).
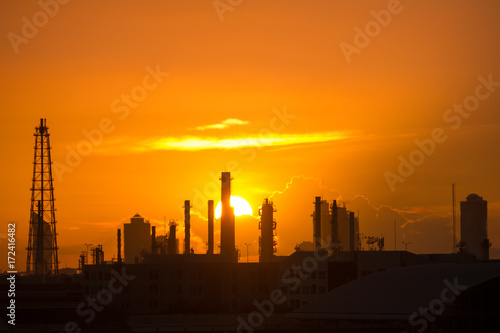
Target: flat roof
point(396, 292)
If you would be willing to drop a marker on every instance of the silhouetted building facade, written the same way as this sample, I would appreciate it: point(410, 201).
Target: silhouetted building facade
point(193, 284)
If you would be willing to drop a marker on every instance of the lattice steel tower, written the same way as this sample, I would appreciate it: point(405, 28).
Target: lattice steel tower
point(42, 244)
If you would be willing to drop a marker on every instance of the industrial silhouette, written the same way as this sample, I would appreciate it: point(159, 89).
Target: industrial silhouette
point(335, 225)
point(267, 225)
point(334, 286)
point(227, 231)
point(210, 227)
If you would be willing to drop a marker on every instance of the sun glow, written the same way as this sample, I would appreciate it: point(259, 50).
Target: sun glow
point(241, 207)
point(196, 143)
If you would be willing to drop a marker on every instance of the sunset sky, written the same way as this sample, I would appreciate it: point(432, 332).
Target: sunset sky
point(147, 102)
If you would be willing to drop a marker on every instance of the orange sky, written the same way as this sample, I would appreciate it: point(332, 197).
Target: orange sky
point(221, 106)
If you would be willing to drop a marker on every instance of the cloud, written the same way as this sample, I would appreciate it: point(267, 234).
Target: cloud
point(427, 231)
point(196, 143)
point(297, 179)
point(223, 124)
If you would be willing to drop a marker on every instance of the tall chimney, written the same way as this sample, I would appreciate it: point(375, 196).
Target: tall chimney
point(351, 231)
point(210, 227)
point(227, 232)
point(153, 240)
point(335, 223)
point(119, 242)
point(317, 223)
point(187, 227)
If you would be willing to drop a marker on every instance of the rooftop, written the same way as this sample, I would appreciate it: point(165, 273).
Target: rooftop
point(396, 293)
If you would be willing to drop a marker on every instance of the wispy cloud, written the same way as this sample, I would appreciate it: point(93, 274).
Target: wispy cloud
point(196, 143)
point(223, 124)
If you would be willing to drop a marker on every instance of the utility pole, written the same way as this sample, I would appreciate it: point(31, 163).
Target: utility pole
point(395, 247)
point(406, 245)
point(247, 249)
point(454, 217)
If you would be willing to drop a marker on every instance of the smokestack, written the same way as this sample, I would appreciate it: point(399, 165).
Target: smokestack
point(210, 227)
point(187, 227)
point(351, 231)
point(317, 223)
point(153, 240)
point(172, 241)
point(335, 223)
point(227, 232)
point(119, 242)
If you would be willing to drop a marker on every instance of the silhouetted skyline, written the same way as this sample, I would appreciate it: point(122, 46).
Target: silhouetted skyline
point(351, 119)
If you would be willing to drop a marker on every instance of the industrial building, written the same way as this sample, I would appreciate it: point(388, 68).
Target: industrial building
point(168, 289)
point(473, 226)
point(137, 237)
point(335, 224)
point(140, 238)
point(444, 297)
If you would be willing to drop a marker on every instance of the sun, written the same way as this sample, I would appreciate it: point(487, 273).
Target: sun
point(241, 207)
